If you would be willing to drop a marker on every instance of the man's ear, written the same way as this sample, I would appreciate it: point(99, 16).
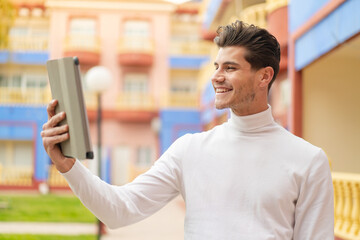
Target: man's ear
point(266, 75)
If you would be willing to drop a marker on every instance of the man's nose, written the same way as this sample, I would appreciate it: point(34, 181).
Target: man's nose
point(217, 77)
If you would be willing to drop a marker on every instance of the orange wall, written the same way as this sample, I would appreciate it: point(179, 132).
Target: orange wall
point(331, 107)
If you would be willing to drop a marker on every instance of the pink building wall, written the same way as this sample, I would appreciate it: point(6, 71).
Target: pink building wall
point(110, 25)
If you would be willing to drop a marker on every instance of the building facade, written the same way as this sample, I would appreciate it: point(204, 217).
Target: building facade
point(153, 50)
point(324, 58)
point(324, 53)
point(23, 93)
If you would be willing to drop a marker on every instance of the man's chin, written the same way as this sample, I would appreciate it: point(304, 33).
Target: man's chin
point(220, 106)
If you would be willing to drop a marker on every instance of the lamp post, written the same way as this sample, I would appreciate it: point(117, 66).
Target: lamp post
point(98, 79)
point(156, 127)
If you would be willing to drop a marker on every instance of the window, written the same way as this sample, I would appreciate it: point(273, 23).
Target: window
point(16, 153)
point(23, 81)
point(12, 81)
point(40, 32)
point(137, 35)
point(183, 85)
point(29, 38)
point(144, 157)
point(82, 33)
point(183, 81)
point(35, 81)
point(16, 158)
point(136, 83)
point(23, 154)
point(19, 31)
point(40, 38)
point(24, 12)
point(83, 26)
point(3, 81)
point(18, 37)
point(137, 28)
point(135, 90)
point(37, 12)
point(15, 81)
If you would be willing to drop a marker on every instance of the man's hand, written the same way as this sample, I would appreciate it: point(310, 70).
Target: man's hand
point(52, 135)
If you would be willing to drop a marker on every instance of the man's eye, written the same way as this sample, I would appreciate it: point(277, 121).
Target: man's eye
point(230, 68)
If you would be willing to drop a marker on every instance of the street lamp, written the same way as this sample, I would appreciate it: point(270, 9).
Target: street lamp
point(98, 79)
point(156, 127)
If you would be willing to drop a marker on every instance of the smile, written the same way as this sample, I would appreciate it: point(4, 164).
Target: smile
point(222, 90)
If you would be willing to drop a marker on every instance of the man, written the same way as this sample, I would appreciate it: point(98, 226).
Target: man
point(246, 179)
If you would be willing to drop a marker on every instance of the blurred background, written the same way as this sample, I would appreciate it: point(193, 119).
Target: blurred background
point(160, 56)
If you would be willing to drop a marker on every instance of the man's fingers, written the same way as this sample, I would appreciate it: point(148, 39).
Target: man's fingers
point(52, 141)
point(51, 108)
point(60, 138)
point(54, 121)
point(54, 131)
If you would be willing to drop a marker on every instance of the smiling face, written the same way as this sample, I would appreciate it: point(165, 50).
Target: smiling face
point(237, 85)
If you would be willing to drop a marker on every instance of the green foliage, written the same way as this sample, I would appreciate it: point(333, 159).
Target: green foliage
point(7, 13)
point(45, 237)
point(44, 208)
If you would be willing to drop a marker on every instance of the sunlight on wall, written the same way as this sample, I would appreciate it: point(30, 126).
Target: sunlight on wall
point(331, 113)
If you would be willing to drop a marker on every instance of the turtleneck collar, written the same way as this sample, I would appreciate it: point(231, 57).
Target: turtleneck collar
point(251, 122)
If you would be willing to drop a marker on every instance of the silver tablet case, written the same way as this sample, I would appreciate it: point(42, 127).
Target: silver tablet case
point(65, 83)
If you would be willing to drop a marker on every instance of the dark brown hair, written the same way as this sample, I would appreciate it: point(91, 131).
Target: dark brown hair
point(263, 49)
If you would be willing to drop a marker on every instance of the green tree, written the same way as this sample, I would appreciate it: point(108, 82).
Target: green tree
point(7, 13)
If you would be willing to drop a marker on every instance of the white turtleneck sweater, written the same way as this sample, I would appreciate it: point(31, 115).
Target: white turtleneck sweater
point(247, 179)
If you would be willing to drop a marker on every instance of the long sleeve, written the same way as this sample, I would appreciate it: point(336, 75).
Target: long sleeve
point(118, 206)
point(314, 214)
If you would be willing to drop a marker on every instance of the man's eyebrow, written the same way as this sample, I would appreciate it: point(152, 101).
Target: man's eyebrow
point(228, 63)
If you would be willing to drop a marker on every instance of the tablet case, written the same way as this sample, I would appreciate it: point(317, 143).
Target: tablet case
point(66, 87)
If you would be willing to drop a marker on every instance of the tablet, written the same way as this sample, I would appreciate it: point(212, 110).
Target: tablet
point(66, 87)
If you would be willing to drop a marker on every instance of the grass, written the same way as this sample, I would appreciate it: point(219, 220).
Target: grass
point(45, 237)
point(44, 208)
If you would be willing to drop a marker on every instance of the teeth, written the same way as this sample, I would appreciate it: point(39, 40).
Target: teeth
point(221, 90)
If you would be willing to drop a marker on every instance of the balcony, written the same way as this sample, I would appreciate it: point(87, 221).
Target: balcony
point(16, 176)
point(347, 205)
point(189, 55)
point(135, 51)
point(56, 180)
point(27, 50)
point(181, 100)
point(135, 107)
point(202, 48)
point(272, 5)
point(86, 48)
point(24, 96)
point(255, 14)
point(135, 101)
point(29, 43)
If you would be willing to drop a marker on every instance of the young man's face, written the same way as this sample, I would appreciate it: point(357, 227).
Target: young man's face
point(234, 81)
